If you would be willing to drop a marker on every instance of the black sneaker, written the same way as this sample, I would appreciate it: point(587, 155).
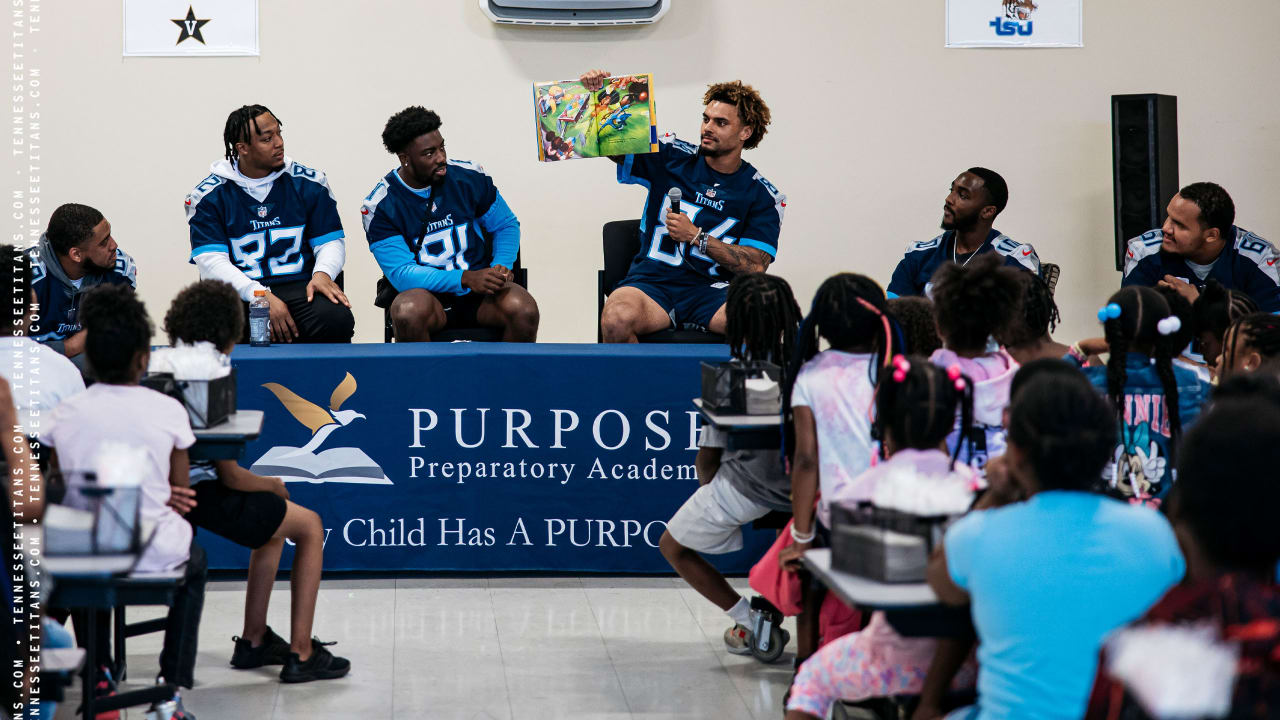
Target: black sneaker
point(273, 651)
point(322, 665)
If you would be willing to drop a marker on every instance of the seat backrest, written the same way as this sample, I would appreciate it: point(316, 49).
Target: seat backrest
point(621, 243)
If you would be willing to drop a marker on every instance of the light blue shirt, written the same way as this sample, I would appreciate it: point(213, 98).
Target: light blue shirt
point(1049, 578)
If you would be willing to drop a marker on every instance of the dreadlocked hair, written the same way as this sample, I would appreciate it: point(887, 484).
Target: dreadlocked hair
point(975, 301)
point(242, 125)
point(919, 411)
point(1039, 316)
point(850, 312)
point(1260, 332)
point(1217, 308)
point(1141, 308)
point(762, 318)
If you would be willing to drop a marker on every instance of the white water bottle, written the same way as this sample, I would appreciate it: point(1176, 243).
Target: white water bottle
point(259, 320)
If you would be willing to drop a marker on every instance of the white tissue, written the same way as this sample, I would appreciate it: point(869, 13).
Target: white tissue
point(120, 465)
point(1175, 671)
point(200, 361)
point(906, 490)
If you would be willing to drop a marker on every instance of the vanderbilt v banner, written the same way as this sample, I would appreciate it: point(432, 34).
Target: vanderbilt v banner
point(190, 27)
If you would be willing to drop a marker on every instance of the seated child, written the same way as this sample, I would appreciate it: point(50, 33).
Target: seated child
point(1154, 399)
point(1223, 511)
point(737, 486)
point(1049, 577)
point(914, 315)
point(1251, 344)
point(973, 303)
point(1213, 312)
point(915, 405)
point(255, 512)
point(114, 412)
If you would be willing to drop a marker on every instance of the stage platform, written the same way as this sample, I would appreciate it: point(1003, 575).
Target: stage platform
point(480, 457)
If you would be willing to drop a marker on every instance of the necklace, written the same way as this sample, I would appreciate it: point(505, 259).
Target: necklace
point(956, 244)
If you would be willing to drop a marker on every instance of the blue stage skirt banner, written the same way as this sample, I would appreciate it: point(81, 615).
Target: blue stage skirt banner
point(481, 456)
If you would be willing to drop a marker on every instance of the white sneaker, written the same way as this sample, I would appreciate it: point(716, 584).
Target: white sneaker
point(737, 640)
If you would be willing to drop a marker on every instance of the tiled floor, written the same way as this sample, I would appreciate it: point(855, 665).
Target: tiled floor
point(476, 649)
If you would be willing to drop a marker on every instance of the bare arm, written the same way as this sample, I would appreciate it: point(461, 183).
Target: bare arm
point(738, 259)
point(804, 486)
point(940, 579)
point(29, 503)
point(734, 258)
point(74, 345)
point(707, 463)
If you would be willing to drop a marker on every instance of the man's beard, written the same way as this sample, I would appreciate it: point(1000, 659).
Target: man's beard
point(960, 224)
point(714, 152)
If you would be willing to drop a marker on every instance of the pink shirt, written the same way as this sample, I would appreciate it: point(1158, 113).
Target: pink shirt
point(836, 387)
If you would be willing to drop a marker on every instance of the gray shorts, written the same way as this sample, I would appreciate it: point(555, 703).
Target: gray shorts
point(711, 520)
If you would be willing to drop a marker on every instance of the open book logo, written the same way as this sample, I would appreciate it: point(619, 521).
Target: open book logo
point(299, 464)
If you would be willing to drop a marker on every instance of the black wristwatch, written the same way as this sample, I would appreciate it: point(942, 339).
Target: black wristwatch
point(702, 241)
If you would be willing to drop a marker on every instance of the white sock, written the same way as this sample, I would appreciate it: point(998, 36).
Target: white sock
point(740, 612)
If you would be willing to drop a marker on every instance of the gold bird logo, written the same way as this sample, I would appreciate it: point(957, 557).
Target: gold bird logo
point(321, 422)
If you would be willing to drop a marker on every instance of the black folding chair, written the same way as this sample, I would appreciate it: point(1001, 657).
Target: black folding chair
point(621, 244)
point(387, 294)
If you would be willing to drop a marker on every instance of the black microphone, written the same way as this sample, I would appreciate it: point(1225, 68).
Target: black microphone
point(673, 195)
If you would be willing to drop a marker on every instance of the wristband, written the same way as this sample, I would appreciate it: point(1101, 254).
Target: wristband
point(797, 537)
point(702, 242)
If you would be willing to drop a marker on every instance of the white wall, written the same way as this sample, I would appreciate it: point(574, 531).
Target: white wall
point(872, 120)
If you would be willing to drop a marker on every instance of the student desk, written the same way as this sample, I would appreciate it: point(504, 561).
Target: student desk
point(911, 608)
point(227, 439)
point(97, 583)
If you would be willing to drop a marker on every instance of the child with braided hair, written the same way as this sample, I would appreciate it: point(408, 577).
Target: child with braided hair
point(1029, 338)
point(1251, 344)
point(736, 486)
point(915, 404)
point(1213, 312)
point(1154, 399)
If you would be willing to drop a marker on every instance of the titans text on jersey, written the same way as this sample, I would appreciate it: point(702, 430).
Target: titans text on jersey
point(272, 240)
point(58, 298)
point(427, 238)
point(922, 260)
point(1248, 265)
point(740, 208)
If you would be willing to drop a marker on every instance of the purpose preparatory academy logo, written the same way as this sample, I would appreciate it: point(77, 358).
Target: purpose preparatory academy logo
point(308, 463)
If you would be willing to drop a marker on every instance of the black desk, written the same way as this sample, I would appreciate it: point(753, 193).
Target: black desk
point(76, 584)
point(227, 439)
point(746, 432)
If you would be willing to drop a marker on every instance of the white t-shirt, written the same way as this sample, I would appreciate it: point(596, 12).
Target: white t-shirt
point(836, 387)
point(40, 378)
point(143, 418)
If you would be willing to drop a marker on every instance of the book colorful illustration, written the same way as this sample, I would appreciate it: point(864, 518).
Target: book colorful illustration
point(617, 119)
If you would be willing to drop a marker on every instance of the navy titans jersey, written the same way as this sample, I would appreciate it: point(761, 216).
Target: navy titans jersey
point(915, 270)
point(272, 241)
point(1248, 265)
point(426, 239)
point(742, 208)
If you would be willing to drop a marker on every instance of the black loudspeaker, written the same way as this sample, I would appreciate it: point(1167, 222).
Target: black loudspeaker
point(1144, 144)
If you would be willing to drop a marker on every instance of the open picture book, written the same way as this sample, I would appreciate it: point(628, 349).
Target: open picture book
point(617, 119)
